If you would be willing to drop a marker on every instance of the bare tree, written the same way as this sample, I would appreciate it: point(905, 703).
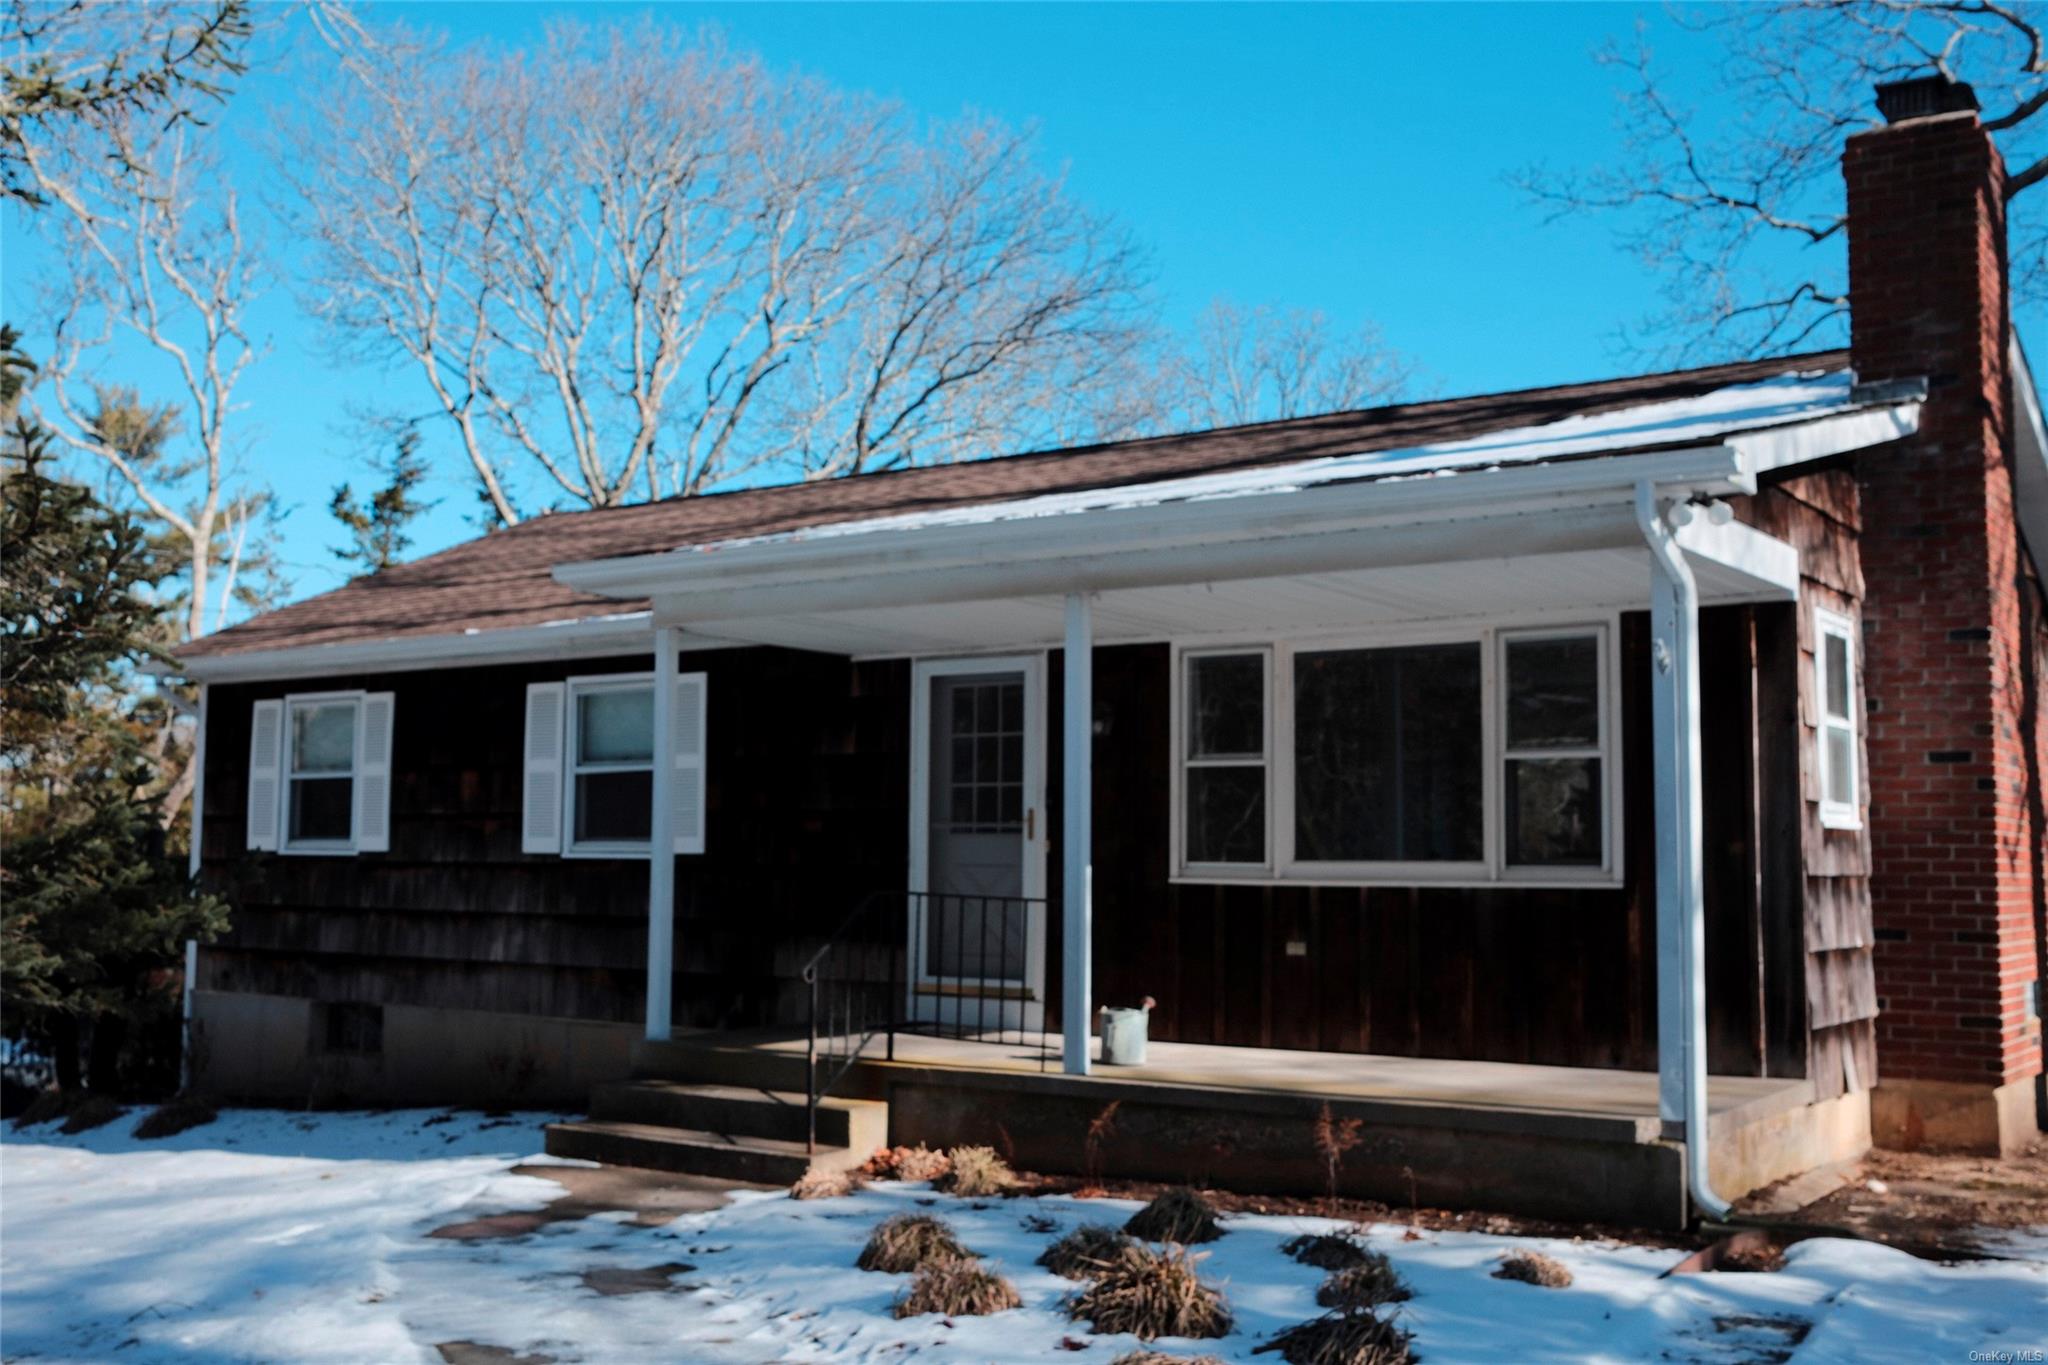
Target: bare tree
point(74, 65)
point(1740, 209)
point(1261, 364)
point(159, 279)
point(632, 265)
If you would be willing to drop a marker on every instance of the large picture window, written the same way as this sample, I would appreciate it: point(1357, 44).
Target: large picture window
point(1476, 759)
point(611, 776)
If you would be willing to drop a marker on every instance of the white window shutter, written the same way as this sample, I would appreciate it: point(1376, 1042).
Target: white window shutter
point(373, 773)
point(688, 794)
point(266, 758)
point(540, 829)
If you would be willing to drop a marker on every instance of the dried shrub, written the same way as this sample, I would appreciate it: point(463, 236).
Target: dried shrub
point(821, 1183)
point(955, 1288)
point(1334, 1137)
point(907, 1163)
point(1147, 1356)
point(1177, 1215)
point(1151, 1294)
point(1342, 1339)
point(47, 1107)
point(976, 1171)
point(1533, 1267)
point(1084, 1251)
point(910, 1241)
point(1328, 1250)
point(175, 1116)
point(1368, 1284)
point(94, 1111)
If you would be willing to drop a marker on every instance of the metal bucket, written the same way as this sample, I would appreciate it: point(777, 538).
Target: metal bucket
point(1123, 1036)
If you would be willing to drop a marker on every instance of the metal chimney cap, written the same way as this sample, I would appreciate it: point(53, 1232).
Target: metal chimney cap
point(1924, 97)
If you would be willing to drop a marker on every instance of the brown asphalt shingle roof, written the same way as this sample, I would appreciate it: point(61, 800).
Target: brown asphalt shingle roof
point(503, 580)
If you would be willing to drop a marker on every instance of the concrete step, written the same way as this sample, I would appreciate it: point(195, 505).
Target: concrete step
point(708, 1063)
point(861, 1125)
point(768, 1161)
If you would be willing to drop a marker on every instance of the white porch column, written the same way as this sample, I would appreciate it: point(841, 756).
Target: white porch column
point(192, 864)
point(1077, 829)
point(661, 840)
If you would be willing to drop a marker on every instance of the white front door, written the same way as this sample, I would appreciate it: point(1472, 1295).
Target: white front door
point(977, 842)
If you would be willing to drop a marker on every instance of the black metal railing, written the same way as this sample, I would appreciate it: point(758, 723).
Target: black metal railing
point(939, 965)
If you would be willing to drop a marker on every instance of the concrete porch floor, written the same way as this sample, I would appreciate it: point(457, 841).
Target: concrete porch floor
point(1582, 1092)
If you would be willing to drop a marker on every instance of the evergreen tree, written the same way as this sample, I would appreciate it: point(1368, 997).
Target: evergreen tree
point(94, 907)
point(378, 526)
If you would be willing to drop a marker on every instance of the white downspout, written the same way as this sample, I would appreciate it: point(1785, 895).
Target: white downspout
point(661, 850)
point(1681, 889)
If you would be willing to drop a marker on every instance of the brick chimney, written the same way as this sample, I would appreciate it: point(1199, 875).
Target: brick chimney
point(1954, 843)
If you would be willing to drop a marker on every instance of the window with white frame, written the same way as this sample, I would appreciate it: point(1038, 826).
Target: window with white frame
point(1478, 758)
point(320, 773)
point(1834, 690)
point(588, 788)
point(611, 764)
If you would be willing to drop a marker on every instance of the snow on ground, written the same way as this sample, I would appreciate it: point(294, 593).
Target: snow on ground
point(281, 1237)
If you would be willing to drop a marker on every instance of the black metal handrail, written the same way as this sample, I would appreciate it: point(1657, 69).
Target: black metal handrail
point(935, 951)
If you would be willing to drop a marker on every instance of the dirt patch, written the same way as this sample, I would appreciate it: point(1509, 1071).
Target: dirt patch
point(612, 1281)
point(651, 1197)
point(1930, 1201)
point(476, 1353)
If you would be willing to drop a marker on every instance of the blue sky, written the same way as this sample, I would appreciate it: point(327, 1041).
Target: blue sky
point(1347, 158)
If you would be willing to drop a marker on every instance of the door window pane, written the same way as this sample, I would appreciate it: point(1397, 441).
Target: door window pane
point(615, 726)
point(1554, 693)
point(1388, 754)
point(1554, 812)
point(1227, 706)
point(1226, 814)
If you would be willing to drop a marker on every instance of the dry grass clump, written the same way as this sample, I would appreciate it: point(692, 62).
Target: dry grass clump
point(957, 1288)
point(976, 1171)
point(1177, 1215)
point(1328, 1250)
point(1084, 1251)
point(1147, 1356)
point(174, 1116)
point(1533, 1267)
point(819, 1183)
point(1368, 1284)
point(907, 1163)
point(1342, 1339)
point(1151, 1294)
point(910, 1241)
point(94, 1111)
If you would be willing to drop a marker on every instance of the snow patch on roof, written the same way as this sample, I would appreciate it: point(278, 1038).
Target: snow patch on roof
point(1797, 396)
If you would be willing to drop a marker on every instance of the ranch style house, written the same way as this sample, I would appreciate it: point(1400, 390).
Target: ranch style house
point(1618, 796)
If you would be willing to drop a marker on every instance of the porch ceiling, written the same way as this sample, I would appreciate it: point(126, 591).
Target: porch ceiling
point(1520, 587)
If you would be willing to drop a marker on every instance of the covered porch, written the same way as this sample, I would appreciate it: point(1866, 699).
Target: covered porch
point(1521, 537)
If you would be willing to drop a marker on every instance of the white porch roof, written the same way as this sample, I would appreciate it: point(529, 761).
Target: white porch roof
point(1523, 522)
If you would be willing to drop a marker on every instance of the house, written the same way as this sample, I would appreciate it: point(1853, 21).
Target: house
point(1618, 796)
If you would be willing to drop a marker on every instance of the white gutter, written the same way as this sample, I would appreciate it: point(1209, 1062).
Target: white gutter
point(1681, 891)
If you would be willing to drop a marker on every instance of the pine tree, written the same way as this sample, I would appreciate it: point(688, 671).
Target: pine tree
point(93, 907)
point(378, 527)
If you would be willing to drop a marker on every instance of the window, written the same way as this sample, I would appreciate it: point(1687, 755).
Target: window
point(611, 774)
point(1552, 741)
point(1225, 782)
point(1475, 759)
point(320, 773)
point(1834, 689)
point(320, 776)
